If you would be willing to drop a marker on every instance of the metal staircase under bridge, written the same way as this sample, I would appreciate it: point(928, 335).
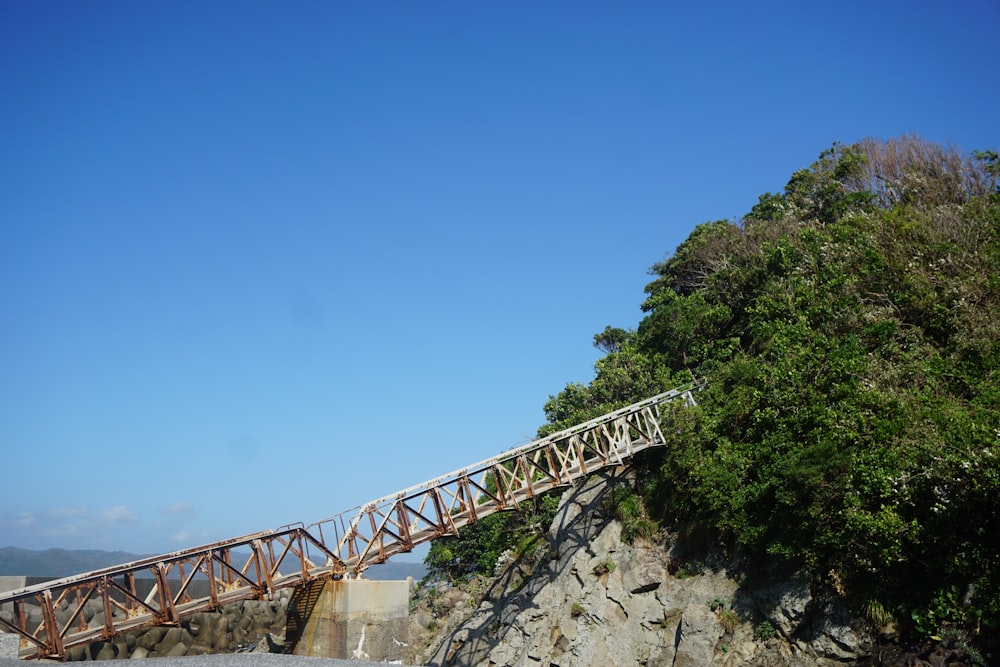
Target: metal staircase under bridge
point(56, 615)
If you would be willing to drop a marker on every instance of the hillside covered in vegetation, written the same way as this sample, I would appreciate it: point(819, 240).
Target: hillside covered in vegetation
point(849, 328)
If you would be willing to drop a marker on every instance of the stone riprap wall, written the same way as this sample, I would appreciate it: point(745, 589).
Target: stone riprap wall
point(239, 626)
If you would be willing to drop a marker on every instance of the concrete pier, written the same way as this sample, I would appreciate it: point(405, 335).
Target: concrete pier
point(356, 619)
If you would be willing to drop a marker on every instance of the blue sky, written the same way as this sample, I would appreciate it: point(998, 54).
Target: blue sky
point(265, 261)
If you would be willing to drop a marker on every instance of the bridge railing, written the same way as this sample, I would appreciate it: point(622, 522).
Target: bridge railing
point(53, 616)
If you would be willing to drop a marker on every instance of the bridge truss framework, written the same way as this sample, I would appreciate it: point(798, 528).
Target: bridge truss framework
point(52, 617)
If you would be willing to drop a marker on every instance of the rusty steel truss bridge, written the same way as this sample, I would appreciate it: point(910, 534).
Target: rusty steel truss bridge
point(344, 545)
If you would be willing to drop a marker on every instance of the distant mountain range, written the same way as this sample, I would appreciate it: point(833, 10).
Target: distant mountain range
point(58, 562)
point(65, 562)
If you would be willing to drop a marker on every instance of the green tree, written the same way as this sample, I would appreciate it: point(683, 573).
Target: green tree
point(851, 422)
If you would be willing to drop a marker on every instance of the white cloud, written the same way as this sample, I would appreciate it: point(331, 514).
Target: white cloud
point(25, 519)
point(179, 508)
point(70, 512)
point(119, 514)
point(182, 536)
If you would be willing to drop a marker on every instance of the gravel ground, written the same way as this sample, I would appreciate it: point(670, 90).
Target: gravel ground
point(225, 660)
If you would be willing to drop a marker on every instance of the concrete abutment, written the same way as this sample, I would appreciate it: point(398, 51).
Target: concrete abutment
point(355, 619)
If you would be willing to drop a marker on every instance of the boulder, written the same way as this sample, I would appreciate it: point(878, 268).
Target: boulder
point(171, 639)
point(122, 648)
point(103, 651)
point(785, 602)
point(221, 640)
point(645, 570)
point(177, 650)
point(696, 637)
point(150, 638)
point(77, 653)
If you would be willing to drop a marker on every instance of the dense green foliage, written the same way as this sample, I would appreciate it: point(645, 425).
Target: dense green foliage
point(482, 544)
point(849, 327)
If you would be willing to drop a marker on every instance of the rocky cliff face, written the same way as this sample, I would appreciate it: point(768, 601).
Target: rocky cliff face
point(592, 600)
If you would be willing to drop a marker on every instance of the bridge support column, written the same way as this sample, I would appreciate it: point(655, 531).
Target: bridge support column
point(357, 619)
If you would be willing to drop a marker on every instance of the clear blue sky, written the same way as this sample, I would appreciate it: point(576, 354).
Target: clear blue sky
point(261, 262)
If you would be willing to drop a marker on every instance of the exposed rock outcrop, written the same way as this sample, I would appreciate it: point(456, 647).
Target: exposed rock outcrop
point(594, 600)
